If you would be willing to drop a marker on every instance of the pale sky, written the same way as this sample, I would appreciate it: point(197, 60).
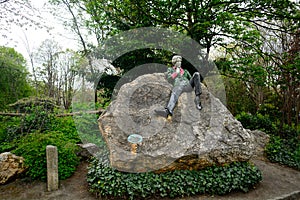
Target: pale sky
point(35, 36)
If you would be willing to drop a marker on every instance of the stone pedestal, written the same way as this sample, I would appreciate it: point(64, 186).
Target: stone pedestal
point(52, 168)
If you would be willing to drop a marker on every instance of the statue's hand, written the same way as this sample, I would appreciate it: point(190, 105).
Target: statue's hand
point(174, 75)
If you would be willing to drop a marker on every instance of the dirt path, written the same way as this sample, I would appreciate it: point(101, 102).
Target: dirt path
point(278, 181)
point(73, 188)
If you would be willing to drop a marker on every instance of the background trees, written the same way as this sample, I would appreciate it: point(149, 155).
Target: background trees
point(210, 23)
point(14, 82)
point(18, 15)
point(56, 70)
point(255, 39)
point(254, 44)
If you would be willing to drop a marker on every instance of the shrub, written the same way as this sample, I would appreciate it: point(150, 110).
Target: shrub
point(285, 151)
point(7, 125)
point(36, 119)
point(107, 182)
point(88, 129)
point(258, 121)
point(271, 111)
point(67, 126)
point(284, 144)
point(33, 148)
point(13, 129)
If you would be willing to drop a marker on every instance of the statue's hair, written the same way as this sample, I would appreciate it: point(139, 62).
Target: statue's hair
point(176, 58)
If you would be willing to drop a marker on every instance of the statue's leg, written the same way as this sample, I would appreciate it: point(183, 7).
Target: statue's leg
point(168, 111)
point(195, 83)
point(176, 92)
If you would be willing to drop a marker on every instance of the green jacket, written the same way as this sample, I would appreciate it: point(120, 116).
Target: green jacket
point(182, 78)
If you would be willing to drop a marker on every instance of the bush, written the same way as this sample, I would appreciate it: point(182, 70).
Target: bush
point(106, 181)
point(7, 125)
point(13, 129)
point(284, 144)
point(271, 111)
point(285, 151)
point(258, 121)
point(36, 119)
point(67, 126)
point(33, 148)
point(88, 129)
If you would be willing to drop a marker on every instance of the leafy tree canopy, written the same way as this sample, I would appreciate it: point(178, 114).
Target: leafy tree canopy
point(211, 22)
point(13, 82)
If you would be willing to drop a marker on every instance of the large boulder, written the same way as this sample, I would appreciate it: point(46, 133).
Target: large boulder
point(193, 139)
point(11, 166)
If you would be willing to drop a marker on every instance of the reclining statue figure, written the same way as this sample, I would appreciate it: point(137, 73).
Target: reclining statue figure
point(182, 81)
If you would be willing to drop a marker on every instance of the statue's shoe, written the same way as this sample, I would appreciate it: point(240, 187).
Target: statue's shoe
point(164, 113)
point(198, 103)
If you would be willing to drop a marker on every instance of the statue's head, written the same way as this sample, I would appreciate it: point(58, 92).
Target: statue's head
point(176, 59)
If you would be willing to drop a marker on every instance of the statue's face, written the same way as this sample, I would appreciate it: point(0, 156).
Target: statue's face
point(178, 63)
point(176, 60)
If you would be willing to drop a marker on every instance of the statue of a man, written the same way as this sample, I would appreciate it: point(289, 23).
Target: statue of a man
point(182, 82)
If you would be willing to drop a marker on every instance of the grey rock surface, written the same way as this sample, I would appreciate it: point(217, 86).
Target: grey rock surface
point(193, 139)
point(87, 150)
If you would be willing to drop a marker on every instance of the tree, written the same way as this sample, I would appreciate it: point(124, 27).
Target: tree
point(18, 13)
point(210, 23)
point(230, 24)
point(73, 20)
point(47, 57)
point(233, 25)
point(69, 62)
point(14, 81)
point(57, 70)
point(287, 85)
point(281, 66)
point(271, 75)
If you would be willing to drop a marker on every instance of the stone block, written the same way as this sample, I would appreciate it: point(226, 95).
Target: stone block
point(52, 168)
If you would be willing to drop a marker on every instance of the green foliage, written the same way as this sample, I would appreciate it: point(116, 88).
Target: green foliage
point(13, 83)
point(237, 96)
point(29, 135)
point(28, 104)
point(33, 148)
point(270, 110)
point(36, 119)
point(202, 19)
point(257, 121)
point(7, 125)
point(88, 130)
point(66, 126)
point(284, 144)
point(285, 151)
point(106, 181)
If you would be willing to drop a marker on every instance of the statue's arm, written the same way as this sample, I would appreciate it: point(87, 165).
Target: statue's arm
point(188, 75)
point(170, 74)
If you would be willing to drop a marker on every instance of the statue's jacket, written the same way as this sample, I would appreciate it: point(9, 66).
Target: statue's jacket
point(178, 79)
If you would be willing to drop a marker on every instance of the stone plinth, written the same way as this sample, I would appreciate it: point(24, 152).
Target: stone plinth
point(52, 168)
